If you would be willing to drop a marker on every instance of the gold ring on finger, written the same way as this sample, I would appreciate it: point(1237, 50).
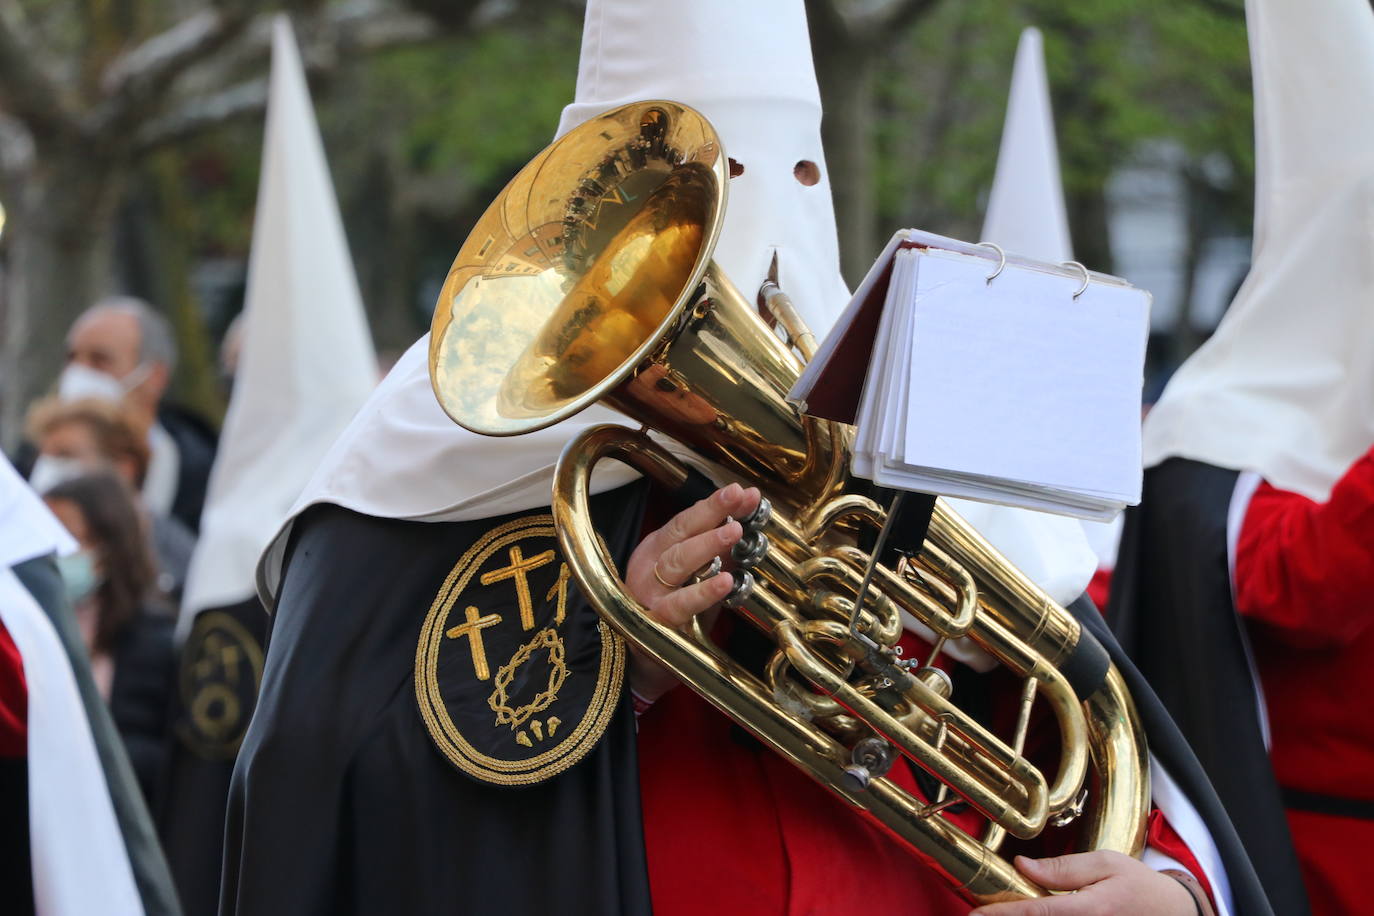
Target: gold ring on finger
point(661, 581)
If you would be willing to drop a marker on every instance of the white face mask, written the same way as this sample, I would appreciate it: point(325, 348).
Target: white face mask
point(51, 470)
point(78, 381)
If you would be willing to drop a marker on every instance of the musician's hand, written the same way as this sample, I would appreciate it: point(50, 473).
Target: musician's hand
point(1103, 883)
point(672, 555)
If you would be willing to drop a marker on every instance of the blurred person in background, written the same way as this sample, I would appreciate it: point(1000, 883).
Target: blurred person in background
point(81, 437)
point(128, 632)
point(75, 831)
point(122, 350)
point(1245, 581)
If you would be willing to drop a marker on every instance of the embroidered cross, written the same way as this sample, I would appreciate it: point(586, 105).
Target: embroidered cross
point(519, 570)
point(473, 631)
point(218, 653)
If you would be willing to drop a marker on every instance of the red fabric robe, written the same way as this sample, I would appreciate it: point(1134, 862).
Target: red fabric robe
point(730, 830)
point(14, 700)
point(1304, 580)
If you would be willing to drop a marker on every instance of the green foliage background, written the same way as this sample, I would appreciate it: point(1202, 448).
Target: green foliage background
point(420, 138)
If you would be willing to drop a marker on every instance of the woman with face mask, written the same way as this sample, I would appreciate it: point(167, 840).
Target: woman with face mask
point(110, 582)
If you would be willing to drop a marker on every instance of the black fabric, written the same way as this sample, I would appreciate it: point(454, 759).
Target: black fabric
point(141, 697)
point(196, 442)
point(1171, 749)
point(908, 530)
point(16, 864)
point(696, 487)
point(1316, 803)
point(1172, 610)
point(341, 802)
point(40, 577)
point(218, 674)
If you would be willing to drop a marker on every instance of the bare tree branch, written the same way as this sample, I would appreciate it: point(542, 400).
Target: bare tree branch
point(324, 45)
point(866, 29)
point(27, 90)
point(373, 31)
point(158, 60)
point(201, 113)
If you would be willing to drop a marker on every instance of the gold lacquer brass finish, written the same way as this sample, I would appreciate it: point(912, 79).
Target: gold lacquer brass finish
point(590, 278)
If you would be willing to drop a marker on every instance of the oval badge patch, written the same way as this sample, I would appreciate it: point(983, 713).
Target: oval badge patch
point(219, 676)
point(515, 675)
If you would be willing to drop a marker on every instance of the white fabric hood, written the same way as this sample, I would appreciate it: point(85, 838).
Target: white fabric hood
point(1285, 387)
point(1026, 216)
point(28, 528)
point(402, 457)
point(79, 861)
point(746, 67)
point(307, 362)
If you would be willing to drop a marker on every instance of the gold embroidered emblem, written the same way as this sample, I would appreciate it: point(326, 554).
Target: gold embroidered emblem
point(558, 672)
point(220, 672)
point(510, 582)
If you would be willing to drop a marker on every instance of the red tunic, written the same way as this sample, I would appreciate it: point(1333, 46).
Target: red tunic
point(1304, 579)
point(730, 830)
point(14, 699)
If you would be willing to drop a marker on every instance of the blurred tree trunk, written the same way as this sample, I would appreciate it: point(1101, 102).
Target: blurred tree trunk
point(1198, 206)
point(846, 46)
point(196, 383)
point(57, 245)
point(846, 77)
point(73, 131)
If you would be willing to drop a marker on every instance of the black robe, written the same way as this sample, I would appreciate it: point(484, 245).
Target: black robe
point(1171, 608)
point(219, 671)
point(343, 801)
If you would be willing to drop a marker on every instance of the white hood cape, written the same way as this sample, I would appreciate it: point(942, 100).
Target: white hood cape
point(1285, 387)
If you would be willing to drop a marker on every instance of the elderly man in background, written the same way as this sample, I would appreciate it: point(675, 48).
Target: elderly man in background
point(121, 350)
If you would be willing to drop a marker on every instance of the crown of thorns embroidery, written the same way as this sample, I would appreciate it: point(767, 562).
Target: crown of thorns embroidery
point(499, 701)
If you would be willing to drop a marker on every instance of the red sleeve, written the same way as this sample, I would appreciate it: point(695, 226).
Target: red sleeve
point(1160, 835)
point(14, 699)
point(1307, 568)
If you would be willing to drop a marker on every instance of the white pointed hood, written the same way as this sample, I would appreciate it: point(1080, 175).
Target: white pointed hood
point(27, 528)
point(306, 363)
point(402, 457)
point(746, 67)
point(1285, 387)
point(1026, 213)
point(1026, 216)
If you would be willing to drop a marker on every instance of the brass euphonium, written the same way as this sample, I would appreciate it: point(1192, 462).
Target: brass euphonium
point(590, 278)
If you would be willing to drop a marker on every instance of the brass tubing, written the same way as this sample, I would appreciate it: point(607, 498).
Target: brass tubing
point(555, 303)
point(922, 607)
point(1073, 730)
point(882, 628)
point(1008, 596)
point(983, 876)
point(1022, 823)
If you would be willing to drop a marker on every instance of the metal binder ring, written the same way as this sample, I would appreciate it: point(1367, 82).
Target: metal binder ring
point(1085, 276)
point(1001, 259)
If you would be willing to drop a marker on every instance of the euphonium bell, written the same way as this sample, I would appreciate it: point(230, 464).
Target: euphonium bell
point(590, 279)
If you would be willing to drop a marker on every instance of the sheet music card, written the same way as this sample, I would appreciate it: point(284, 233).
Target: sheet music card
point(1013, 391)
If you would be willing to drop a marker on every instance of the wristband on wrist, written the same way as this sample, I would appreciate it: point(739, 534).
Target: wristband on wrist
point(1194, 889)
